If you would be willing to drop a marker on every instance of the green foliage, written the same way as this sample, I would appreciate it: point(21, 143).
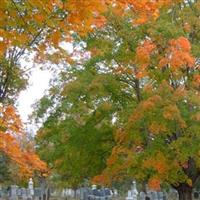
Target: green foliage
point(124, 102)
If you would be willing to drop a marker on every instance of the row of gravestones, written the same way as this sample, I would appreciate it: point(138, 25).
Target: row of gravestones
point(16, 193)
point(152, 195)
point(173, 194)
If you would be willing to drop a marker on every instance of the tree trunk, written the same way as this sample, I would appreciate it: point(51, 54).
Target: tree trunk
point(184, 192)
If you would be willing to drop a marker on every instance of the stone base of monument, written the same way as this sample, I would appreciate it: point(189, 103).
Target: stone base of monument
point(130, 197)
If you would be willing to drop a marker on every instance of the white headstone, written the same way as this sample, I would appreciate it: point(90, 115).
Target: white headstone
point(134, 191)
point(30, 187)
point(115, 192)
point(129, 196)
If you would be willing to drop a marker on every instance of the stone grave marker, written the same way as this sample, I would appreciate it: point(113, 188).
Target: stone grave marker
point(13, 192)
point(149, 194)
point(129, 196)
point(196, 195)
point(154, 195)
point(142, 196)
point(37, 193)
point(161, 196)
point(1, 194)
point(19, 192)
point(24, 193)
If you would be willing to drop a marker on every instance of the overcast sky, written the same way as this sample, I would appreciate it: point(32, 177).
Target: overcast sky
point(38, 83)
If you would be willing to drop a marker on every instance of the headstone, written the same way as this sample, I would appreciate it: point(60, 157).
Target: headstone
point(154, 195)
point(134, 191)
point(24, 193)
point(30, 187)
point(82, 191)
point(129, 196)
point(13, 192)
point(149, 194)
point(142, 196)
point(161, 196)
point(196, 195)
point(173, 194)
point(1, 193)
point(37, 192)
point(115, 193)
point(19, 192)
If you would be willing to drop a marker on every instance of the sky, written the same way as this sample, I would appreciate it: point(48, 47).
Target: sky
point(38, 83)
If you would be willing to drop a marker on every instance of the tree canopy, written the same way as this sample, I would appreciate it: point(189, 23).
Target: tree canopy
point(125, 103)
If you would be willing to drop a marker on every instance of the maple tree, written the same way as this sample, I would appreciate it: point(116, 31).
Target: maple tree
point(144, 73)
point(41, 25)
point(79, 141)
point(11, 137)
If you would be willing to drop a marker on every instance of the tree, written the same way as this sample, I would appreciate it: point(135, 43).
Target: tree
point(156, 115)
point(11, 137)
point(78, 125)
point(159, 140)
point(14, 79)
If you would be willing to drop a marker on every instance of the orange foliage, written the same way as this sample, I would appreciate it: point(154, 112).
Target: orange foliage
point(157, 128)
point(144, 106)
point(80, 16)
point(143, 53)
point(144, 9)
point(196, 80)
point(178, 54)
point(11, 134)
point(158, 163)
point(101, 179)
point(154, 183)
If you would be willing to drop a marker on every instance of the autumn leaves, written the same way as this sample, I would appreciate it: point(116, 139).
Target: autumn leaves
point(13, 143)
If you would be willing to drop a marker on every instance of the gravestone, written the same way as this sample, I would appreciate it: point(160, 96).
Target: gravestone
point(196, 195)
point(30, 187)
point(161, 195)
point(37, 193)
point(1, 194)
point(129, 196)
point(24, 193)
point(19, 192)
point(13, 192)
point(115, 193)
point(142, 196)
point(154, 195)
point(173, 194)
point(133, 193)
point(149, 194)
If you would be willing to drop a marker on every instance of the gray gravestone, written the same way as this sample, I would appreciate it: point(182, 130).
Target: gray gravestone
point(24, 193)
point(13, 192)
point(196, 195)
point(154, 195)
point(19, 192)
point(37, 193)
point(142, 196)
point(160, 196)
point(149, 194)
